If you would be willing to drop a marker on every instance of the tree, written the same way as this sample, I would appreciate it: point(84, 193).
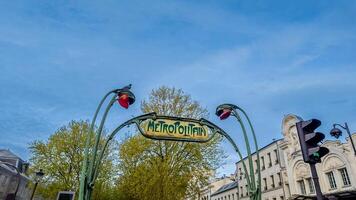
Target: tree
point(161, 170)
point(61, 158)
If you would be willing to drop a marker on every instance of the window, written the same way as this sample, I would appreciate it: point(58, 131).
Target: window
point(233, 197)
point(272, 178)
point(311, 185)
point(269, 159)
point(301, 186)
point(345, 176)
point(263, 162)
point(256, 167)
point(276, 155)
point(240, 173)
point(242, 191)
point(281, 198)
point(280, 178)
point(265, 182)
point(331, 178)
point(246, 190)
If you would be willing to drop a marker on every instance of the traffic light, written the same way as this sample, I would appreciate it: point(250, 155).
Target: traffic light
point(309, 141)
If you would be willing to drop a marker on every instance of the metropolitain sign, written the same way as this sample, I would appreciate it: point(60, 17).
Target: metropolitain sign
point(173, 128)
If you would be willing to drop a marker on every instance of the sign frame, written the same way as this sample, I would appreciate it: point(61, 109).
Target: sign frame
point(70, 193)
point(202, 123)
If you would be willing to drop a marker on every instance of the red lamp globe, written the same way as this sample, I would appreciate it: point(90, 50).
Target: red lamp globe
point(225, 114)
point(224, 111)
point(125, 98)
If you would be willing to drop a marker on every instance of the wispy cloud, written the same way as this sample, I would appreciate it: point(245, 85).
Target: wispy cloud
point(58, 57)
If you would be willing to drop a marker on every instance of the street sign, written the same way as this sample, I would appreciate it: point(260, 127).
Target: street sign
point(174, 128)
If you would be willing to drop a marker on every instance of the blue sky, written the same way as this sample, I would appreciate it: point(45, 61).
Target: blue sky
point(57, 59)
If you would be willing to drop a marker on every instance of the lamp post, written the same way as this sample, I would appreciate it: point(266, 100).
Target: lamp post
point(223, 111)
point(335, 132)
point(89, 168)
point(38, 177)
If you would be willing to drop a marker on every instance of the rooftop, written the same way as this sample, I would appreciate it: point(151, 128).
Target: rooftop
point(6, 153)
point(274, 141)
point(225, 188)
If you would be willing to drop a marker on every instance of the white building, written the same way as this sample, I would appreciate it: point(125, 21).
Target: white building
point(215, 184)
point(286, 176)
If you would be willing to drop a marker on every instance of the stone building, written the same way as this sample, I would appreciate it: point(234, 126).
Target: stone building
point(13, 179)
point(285, 175)
point(226, 192)
point(215, 184)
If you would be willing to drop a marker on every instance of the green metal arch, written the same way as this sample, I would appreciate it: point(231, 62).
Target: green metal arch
point(139, 119)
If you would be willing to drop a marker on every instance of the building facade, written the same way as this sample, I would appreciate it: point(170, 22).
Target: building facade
point(214, 185)
point(337, 171)
point(14, 183)
point(284, 175)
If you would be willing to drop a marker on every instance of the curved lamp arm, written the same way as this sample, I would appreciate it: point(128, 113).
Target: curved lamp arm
point(223, 111)
point(227, 136)
point(98, 135)
point(252, 173)
point(256, 147)
point(343, 127)
point(87, 143)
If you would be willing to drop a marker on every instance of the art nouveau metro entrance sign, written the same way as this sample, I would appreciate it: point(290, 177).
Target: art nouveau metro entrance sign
point(173, 128)
point(158, 127)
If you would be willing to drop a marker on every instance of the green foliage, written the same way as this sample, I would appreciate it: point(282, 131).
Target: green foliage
point(61, 158)
point(146, 169)
point(161, 170)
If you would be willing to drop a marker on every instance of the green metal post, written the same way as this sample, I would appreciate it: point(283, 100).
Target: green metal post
point(98, 135)
point(240, 155)
point(83, 178)
point(223, 111)
point(259, 197)
point(98, 163)
point(249, 156)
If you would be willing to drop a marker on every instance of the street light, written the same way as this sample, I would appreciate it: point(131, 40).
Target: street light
point(224, 111)
point(335, 132)
point(125, 98)
point(38, 177)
